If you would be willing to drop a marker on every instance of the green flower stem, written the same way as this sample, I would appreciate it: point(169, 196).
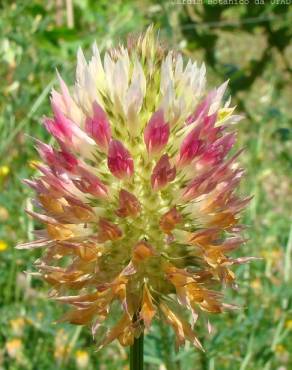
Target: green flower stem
point(136, 354)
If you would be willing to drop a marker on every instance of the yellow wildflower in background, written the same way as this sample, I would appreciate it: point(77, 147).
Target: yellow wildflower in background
point(3, 245)
point(288, 324)
point(4, 171)
point(17, 325)
point(14, 348)
point(280, 349)
point(82, 359)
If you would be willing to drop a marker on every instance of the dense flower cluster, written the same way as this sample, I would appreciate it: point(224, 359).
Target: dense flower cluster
point(137, 197)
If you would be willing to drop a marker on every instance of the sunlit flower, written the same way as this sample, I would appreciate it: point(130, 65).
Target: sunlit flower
point(288, 324)
point(138, 196)
point(14, 348)
point(3, 245)
point(279, 349)
point(82, 359)
point(4, 171)
point(17, 325)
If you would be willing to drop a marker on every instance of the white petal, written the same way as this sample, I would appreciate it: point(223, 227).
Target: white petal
point(166, 73)
point(96, 70)
point(178, 67)
point(219, 95)
point(109, 66)
point(81, 66)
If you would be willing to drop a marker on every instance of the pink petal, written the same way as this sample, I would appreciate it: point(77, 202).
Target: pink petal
point(202, 109)
point(89, 183)
point(216, 151)
point(162, 173)
point(98, 127)
point(57, 159)
point(67, 160)
point(156, 133)
point(190, 147)
point(120, 162)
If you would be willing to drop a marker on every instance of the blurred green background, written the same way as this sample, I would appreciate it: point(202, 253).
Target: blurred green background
point(250, 45)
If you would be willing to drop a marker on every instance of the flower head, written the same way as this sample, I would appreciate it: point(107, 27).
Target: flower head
point(138, 196)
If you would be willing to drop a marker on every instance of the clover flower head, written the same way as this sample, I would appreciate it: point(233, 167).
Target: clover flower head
point(138, 195)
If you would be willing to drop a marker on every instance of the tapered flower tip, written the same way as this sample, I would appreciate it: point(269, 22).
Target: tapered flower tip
point(67, 160)
point(87, 182)
point(190, 147)
point(129, 205)
point(156, 133)
point(59, 127)
point(162, 173)
point(98, 126)
point(169, 220)
point(57, 159)
point(119, 161)
point(142, 251)
point(108, 231)
point(148, 309)
point(203, 108)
